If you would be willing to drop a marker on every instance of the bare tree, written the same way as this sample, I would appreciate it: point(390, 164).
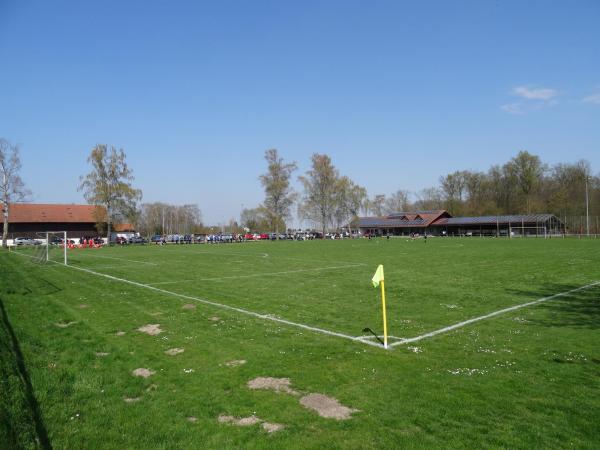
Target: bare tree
point(397, 202)
point(319, 200)
point(279, 196)
point(109, 184)
point(376, 204)
point(12, 188)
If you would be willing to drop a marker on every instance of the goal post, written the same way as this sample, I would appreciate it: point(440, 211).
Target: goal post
point(54, 247)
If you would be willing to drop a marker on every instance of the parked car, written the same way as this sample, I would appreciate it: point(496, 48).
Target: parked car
point(25, 241)
point(120, 240)
point(137, 240)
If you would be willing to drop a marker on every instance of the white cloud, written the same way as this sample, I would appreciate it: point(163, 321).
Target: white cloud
point(513, 108)
point(534, 94)
point(594, 98)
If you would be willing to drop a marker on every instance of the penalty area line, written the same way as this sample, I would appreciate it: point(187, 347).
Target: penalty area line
point(492, 314)
point(267, 274)
point(230, 308)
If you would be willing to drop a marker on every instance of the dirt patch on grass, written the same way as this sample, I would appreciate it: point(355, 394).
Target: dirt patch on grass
point(142, 372)
point(273, 384)
point(120, 333)
point(131, 399)
point(235, 363)
point(83, 306)
point(251, 420)
point(64, 324)
point(327, 407)
point(240, 422)
point(188, 306)
point(215, 318)
point(102, 354)
point(174, 351)
point(151, 329)
point(272, 427)
point(192, 419)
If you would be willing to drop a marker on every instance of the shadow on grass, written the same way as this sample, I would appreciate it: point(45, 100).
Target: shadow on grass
point(580, 309)
point(25, 383)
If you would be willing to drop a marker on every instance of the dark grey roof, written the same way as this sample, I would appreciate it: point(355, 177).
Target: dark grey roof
point(502, 220)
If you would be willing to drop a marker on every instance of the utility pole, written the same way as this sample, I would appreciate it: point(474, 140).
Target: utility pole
point(587, 206)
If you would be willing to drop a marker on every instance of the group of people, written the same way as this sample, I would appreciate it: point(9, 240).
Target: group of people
point(85, 242)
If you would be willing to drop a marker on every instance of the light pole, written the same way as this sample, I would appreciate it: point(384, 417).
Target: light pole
point(587, 206)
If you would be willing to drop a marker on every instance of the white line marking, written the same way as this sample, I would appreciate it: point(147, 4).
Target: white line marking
point(231, 308)
point(256, 275)
point(495, 313)
point(117, 259)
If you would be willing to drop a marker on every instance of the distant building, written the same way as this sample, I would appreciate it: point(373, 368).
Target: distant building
point(441, 223)
point(30, 219)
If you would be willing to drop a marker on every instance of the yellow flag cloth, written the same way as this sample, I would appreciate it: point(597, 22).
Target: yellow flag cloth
point(378, 277)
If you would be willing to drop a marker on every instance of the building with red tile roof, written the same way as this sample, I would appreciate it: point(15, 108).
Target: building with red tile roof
point(29, 219)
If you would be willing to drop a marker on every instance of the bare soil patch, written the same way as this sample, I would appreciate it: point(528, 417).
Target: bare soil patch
point(101, 354)
point(240, 422)
point(188, 306)
point(272, 427)
point(83, 306)
point(215, 318)
point(192, 419)
point(120, 333)
point(131, 399)
point(327, 407)
point(151, 329)
point(142, 372)
point(235, 363)
point(64, 324)
point(174, 351)
point(273, 384)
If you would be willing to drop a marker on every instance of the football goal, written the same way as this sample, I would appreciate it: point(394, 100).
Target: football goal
point(53, 247)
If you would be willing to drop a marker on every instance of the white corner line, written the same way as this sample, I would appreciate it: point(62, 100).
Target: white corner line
point(228, 307)
point(492, 314)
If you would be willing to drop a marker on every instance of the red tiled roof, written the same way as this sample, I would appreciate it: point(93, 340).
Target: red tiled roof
point(52, 213)
point(122, 227)
point(415, 219)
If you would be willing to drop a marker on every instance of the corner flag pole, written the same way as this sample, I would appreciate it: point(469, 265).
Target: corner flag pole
point(378, 279)
point(385, 345)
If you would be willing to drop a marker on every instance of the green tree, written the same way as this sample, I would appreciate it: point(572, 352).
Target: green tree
point(12, 188)
point(109, 184)
point(528, 171)
point(320, 192)
point(279, 196)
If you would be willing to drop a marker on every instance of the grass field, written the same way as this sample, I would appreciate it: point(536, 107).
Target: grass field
point(527, 378)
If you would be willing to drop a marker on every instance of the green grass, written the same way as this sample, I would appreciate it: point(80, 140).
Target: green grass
point(525, 379)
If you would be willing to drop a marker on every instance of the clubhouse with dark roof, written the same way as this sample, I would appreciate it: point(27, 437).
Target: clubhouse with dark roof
point(441, 223)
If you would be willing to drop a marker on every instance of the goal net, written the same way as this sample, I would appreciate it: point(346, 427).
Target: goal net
point(53, 247)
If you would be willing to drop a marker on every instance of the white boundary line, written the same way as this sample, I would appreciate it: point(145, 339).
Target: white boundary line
point(316, 269)
point(231, 308)
point(493, 314)
point(362, 339)
point(115, 258)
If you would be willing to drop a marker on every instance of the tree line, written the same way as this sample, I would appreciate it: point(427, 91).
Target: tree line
point(328, 199)
point(523, 185)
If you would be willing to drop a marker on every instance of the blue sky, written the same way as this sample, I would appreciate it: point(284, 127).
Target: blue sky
point(397, 93)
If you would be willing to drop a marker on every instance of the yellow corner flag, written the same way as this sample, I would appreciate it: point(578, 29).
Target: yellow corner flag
point(378, 279)
point(378, 276)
